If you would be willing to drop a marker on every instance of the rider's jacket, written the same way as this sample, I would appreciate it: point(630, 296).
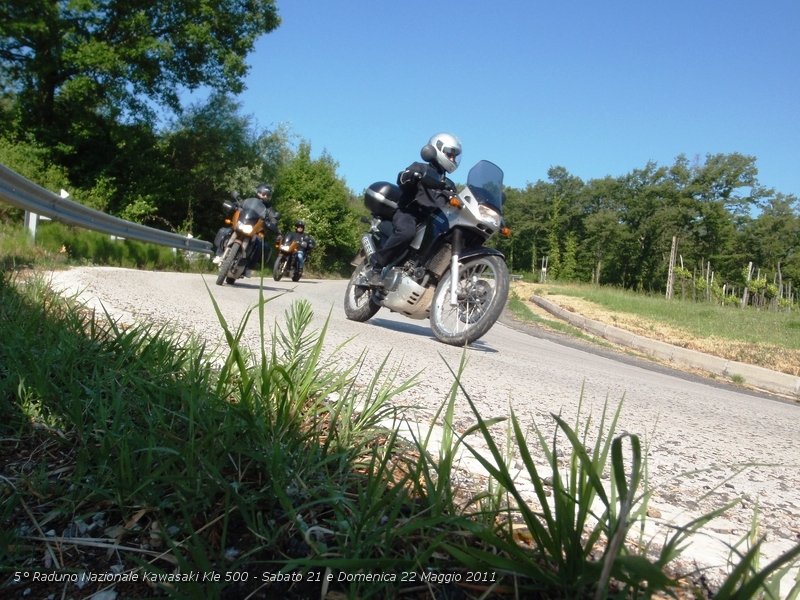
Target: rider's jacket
point(305, 241)
point(422, 184)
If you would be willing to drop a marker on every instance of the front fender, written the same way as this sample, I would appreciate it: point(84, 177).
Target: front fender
point(480, 251)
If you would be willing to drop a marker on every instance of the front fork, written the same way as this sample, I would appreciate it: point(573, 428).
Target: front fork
point(454, 267)
point(244, 242)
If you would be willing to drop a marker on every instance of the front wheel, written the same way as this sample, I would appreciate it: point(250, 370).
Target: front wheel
point(231, 255)
point(481, 295)
point(277, 270)
point(358, 303)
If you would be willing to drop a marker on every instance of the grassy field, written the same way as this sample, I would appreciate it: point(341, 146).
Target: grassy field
point(767, 338)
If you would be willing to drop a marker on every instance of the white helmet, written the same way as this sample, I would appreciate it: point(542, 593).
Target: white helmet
point(448, 151)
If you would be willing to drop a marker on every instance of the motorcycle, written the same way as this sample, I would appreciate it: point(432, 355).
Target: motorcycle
point(249, 220)
point(286, 261)
point(447, 274)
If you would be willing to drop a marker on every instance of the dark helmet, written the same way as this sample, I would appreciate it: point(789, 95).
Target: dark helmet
point(264, 192)
point(299, 225)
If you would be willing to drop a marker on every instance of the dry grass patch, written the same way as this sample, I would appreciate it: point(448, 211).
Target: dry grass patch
point(770, 356)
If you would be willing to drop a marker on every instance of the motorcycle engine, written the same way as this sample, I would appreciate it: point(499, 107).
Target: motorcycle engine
point(406, 296)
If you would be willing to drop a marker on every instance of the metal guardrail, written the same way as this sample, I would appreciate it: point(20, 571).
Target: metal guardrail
point(23, 193)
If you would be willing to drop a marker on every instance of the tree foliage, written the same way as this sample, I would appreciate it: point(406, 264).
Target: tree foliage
point(124, 57)
point(310, 190)
point(89, 80)
point(624, 225)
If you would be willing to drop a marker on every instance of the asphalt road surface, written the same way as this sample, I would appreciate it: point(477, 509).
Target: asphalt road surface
point(707, 444)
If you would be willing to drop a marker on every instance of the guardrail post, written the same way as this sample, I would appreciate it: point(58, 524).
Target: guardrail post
point(31, 219)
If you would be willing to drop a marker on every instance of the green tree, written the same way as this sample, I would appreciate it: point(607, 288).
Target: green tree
point(309, 189)
point(554, 241)
point(648, 194)
point(728, 179)
point(211, 150)
point(569, 266)
point(126, 57)
point(716, 196)
point(90, 80)
point(525, 213)
point(605, 234)
point(772, 240)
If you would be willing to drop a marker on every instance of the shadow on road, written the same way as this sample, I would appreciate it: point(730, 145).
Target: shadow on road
point(402, 327)
point(420, 330)
point(255, 286)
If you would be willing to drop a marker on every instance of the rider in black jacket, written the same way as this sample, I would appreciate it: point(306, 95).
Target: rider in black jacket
point(256, 249)
point(305, 243)
point(422, 184)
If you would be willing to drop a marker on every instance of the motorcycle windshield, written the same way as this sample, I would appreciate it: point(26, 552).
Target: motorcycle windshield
point(485, 181)
point(253, 210)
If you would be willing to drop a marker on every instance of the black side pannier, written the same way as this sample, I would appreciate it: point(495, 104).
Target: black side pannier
point(381, 199)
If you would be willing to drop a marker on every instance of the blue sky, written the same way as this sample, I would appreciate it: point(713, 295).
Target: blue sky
point(599, 88)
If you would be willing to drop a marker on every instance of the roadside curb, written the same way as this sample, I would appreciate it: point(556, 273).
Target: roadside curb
point(773, 381)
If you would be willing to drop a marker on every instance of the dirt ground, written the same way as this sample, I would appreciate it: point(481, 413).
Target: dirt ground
point(764, 355)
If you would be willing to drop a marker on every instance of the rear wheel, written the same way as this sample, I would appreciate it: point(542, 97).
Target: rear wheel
point(228, 260)
point(358, 303)
point(481, 295)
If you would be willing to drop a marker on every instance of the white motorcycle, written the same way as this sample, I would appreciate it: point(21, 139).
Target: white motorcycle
point(447, 274)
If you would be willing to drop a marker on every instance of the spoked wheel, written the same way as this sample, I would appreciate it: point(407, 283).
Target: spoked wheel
point(482, 294)
point(358, 302)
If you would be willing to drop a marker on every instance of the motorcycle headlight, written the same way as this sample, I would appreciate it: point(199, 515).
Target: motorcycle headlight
point(286, 247)
point(489, 216)
point(245, 228)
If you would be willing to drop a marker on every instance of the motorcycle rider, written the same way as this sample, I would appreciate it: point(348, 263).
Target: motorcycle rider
point(421, 184)
point(305, 243)
point(256, 249)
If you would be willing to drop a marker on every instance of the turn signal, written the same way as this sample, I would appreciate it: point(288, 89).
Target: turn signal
point(505, 231)
point(454, 201)
point(227, 221)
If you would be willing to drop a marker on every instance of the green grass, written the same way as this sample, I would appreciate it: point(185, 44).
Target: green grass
point(58, 245)
point(132, 446)
point(521, 312)
point(700, 319)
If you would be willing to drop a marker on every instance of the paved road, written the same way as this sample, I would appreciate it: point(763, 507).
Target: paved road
point(700, 435)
